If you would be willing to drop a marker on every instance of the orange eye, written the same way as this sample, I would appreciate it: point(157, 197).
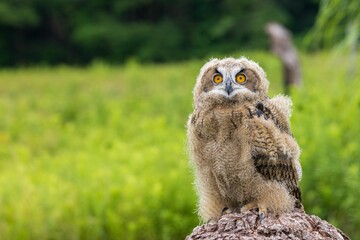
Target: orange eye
point(241, 78)
point(217, 78)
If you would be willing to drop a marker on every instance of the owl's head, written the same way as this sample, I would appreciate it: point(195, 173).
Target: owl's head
point(231, 79)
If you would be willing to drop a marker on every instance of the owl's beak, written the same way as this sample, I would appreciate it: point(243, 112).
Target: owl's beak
point(228, 86)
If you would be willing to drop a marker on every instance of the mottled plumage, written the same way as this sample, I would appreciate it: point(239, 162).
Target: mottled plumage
point(240, 142)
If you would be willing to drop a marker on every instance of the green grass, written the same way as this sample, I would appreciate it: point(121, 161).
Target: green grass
point(100, 152)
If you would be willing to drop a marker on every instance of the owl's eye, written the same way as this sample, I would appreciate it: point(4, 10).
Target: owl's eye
point(241, 78)
point(217, 78)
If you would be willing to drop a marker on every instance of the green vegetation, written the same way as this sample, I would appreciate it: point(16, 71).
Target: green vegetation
point(100, 153)
point(337, 23)
point(79, 31)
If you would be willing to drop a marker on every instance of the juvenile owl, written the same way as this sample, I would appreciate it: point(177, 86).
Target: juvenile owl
point(244, 154)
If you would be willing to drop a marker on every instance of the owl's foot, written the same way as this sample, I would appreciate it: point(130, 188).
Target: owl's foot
point(252, 205)
point(226, 210)
point(211, 221)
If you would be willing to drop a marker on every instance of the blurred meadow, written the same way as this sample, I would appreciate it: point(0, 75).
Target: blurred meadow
point(93, 146)
point(100, 152)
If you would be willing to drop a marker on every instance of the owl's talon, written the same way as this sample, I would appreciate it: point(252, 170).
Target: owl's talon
point(211, 221)
point(248, 207)
point(262, 213)
point(261, 216)
point(262, 210)
point(225, 210)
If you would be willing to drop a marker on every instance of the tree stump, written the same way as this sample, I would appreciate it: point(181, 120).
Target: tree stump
point(246, 226)
point(282, 46)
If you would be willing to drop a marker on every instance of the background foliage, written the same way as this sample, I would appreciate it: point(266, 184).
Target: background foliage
point(100, 152)
point(79, 31)
point(337, 24)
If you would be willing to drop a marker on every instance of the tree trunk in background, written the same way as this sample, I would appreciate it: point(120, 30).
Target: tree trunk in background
point(353, 36)
point(295, 225)
point(281, 44)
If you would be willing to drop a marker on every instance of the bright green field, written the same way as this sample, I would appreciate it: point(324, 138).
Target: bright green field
point(100, 152)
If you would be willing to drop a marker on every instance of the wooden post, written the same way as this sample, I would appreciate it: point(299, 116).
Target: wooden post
point(281, 45)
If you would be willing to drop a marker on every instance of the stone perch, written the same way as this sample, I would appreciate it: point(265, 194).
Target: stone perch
point(245, 226)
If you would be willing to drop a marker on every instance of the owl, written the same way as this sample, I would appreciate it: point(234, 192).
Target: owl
point(241, 146)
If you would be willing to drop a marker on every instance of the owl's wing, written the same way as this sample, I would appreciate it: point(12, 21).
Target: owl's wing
point(282, 171)
point(275, 155)
point(278, 110)
point(283, 103)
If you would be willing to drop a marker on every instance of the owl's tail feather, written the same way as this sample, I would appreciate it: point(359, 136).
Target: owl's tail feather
point(297, 194)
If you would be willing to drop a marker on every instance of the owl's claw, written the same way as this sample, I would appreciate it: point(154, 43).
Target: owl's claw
point(225, 210)
point(262, 213)
point(262, 210)
point(261, 216)
point(211, 221)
